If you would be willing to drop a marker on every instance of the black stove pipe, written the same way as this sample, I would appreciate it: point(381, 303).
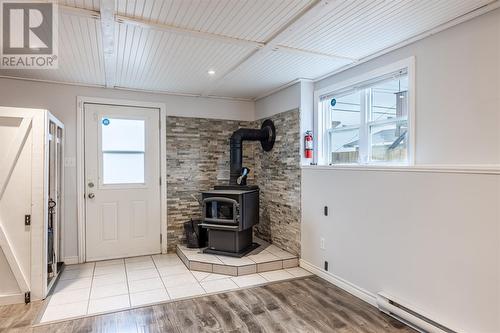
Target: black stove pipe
point(266, 135)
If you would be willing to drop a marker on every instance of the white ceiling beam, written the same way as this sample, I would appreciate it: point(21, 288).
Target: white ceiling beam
point(107, 11)
point(309, 15)
point(295, 50)
point(186, 32)
point(81, 12)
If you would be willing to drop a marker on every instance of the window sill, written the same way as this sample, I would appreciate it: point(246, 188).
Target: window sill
point(432, 168)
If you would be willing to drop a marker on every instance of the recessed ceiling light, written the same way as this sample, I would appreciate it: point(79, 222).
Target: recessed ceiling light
point(211, 72)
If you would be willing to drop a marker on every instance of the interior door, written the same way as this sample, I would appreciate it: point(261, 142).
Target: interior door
point(122, 175)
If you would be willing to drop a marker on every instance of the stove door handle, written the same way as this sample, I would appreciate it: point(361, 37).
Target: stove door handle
point(218, 226)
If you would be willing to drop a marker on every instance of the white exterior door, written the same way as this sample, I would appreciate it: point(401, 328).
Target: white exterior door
point(122, 179)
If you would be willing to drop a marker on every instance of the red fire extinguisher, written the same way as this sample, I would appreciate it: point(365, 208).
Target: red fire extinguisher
point(308, 145)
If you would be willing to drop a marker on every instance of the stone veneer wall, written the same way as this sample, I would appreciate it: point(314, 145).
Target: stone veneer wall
point(197, 159)
point(278, 175)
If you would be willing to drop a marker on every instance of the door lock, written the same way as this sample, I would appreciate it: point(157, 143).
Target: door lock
point(91, 184)
point(91, 195)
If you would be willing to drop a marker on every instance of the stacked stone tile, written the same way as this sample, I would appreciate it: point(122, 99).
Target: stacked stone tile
point(198, 159)
point(278, 175)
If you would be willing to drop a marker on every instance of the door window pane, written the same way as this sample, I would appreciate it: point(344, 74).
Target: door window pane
point(123, 142)
point(389, 142)
point(123, 168)
point(122, 134)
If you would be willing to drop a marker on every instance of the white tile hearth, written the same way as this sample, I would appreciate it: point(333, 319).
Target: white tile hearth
point(113, 285)
point(266, 257)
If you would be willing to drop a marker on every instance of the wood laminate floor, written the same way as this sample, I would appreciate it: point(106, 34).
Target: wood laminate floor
point(303, 305)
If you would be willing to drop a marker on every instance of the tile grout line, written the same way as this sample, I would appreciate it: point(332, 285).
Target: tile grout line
point(128, 287)
point(163, 283)
point(90, 290)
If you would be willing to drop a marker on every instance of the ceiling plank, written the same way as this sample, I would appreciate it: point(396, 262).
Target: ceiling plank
point(308, 16)
point(107, 10)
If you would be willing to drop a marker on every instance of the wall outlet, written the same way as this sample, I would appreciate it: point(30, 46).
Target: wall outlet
point(322, 243)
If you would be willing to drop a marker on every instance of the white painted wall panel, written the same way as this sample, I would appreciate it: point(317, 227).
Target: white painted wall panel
point(431, 240)
point(281, 101)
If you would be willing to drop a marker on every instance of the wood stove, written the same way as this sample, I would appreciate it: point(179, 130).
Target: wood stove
point(230, 211)
point(229, 215)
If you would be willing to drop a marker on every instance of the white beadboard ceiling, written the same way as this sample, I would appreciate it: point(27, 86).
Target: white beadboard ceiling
point(254, 46)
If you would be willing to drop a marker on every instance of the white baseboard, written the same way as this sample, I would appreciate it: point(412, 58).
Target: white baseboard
point(11, 299)
point(341, 283)
point(70, 260)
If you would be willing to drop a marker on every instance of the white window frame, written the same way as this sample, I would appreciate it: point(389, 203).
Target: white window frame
point(321, 149)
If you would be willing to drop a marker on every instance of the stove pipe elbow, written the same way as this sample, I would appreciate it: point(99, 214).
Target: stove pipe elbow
point(266, 135)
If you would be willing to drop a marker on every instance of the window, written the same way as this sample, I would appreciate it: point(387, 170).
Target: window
point(367, 122)
point(123, 142)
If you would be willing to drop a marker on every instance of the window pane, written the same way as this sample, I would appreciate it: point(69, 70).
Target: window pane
point(122, 134)
point(346, 110)
point(389, 99)
point(389, 142)
point(344, 146)
point(123, 168)
point(345, 120)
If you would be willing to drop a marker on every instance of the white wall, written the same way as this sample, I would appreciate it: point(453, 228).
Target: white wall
point(431, 239)
point(61, 101)
point(281, 101)
point(297, 96)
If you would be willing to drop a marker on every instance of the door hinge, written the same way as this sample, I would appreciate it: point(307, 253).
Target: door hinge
point(27, 220)
point(160, 181)
point(161, 238)
point(27, 297)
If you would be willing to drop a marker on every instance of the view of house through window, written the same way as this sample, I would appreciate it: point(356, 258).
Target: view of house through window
point(368, 123)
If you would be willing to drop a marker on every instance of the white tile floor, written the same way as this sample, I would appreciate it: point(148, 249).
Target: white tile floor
point(112, 285)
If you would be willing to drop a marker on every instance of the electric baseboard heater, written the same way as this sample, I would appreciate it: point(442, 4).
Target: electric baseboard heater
point(408, 316)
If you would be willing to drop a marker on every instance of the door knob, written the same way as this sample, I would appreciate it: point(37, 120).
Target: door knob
point(91, 195)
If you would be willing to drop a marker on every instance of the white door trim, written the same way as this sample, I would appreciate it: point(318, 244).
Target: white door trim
point(80, 160)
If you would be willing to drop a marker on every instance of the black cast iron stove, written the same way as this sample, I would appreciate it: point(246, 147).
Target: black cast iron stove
point(230, 211)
